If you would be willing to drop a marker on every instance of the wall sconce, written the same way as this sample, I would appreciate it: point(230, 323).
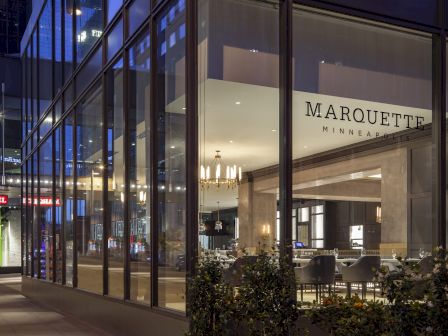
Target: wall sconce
point(266, 230)
point(378, 214)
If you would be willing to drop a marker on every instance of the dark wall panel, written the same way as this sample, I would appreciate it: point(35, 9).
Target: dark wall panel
point(417, 11)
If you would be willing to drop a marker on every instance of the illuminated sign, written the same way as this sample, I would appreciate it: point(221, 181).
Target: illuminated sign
point(3, 199)
point(43, 201)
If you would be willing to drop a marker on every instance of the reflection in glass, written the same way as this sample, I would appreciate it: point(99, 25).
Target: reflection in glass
point(68, 38)
point(46, 210)
point(45, 58)
point(89, 191)
point(139, 168)
point(170, 182)
point(239, 116)
point(68, 198)
point(138, 11)
point(115, 40)
point(362, 112)
point(89, 26)
point(58, 159)
point(115, 174)
point(35, 211)
point(112, 8)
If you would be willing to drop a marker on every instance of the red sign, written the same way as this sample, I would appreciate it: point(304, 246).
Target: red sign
point(3, 199)
point(43, 201)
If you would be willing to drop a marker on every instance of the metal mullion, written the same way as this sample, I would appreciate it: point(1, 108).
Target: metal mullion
point(153, 161)
point(285, 116)
point(439, 130)
point(191, 136)
point(127, 257)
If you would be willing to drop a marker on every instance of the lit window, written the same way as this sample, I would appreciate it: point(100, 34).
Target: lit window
point(182, 31)
point(172, 39)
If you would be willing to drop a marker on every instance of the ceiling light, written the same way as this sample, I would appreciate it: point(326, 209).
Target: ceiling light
point(231, 141)
point(238, 103)
point(172, 147)
point(232, 177)
point(273, 130)
point(78, 11)
point(376, 176)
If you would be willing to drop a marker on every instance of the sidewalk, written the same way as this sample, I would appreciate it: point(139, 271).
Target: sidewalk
point(20, 316)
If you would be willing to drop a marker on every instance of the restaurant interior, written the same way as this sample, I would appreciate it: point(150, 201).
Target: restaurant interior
point(361, 180)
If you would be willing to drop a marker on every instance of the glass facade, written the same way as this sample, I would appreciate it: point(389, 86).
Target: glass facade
point(329, 149)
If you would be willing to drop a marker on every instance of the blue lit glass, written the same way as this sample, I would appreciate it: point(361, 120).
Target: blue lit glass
point(89, 71)
point(115, 40)
point(34, 81)
point(68, 40)
point(112, 8)
point(89, 26)
point(57, 45)
point(45, 58)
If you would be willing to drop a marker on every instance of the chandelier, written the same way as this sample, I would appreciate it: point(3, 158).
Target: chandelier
point(231, 178)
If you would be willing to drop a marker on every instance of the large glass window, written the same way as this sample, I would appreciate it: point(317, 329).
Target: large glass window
point(68, 201)
point(170, 181)
point(89, 25)
point(45, 58)
point(238, 127)
point(58, 161)
point(89, 71)
point(138, 11)
point(35, 209)
point(29, 94)
point(58, 75)
point(29, 217)
point(139, 167)
point(115, 175)
point(68, 38)
point(34, 80)
point(362, 112)
point(45, 201)
point(115, 40)
point(89, 191)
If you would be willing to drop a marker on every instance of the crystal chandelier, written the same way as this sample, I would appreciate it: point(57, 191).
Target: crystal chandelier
point(232, 174)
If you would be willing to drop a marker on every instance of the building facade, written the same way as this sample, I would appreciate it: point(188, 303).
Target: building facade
point(157, 131)
point(13, 16)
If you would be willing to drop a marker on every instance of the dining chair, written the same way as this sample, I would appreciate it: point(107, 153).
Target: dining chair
point(364, 270)
point(319, 271)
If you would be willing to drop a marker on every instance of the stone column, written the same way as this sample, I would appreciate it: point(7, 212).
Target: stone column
point(394, 204)
point(257, 211)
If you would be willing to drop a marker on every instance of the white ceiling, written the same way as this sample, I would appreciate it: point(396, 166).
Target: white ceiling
point(242, 121)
